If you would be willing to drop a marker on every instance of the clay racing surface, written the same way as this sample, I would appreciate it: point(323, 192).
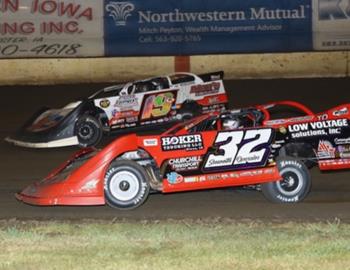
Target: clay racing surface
point(328, 200)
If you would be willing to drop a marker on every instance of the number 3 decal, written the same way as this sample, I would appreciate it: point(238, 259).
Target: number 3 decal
point(240, 149)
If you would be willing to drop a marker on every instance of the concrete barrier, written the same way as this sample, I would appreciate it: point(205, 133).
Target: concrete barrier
point(241, 66)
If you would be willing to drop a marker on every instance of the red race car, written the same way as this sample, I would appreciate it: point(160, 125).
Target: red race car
point(209, 151)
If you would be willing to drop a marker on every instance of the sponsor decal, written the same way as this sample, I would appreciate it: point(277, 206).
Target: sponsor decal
point(322, 116)
point(174, 178)
point(325, 150)
point(205, 89)
point(262, 13)
point(150, 142)
point(342, 140)
point(319, 128)
point(335, 162)
point(131, 119)
point(285, 121)
point(285, 163)
point(341, 112)
point(117, 121)
point(185, 142)
point(283, 130)
point(276, 122)
point(229, 175)
point(90, 185)
point(127, 101)
point(287, 199)
point(120, 11)
point(344, 151)
point(241, 148)
point(185, 163)
point(105, 103)
point(192, 179)
point(213, 100)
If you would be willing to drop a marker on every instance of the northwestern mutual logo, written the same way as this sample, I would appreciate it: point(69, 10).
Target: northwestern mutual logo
point(333, 9)
point(120, 11)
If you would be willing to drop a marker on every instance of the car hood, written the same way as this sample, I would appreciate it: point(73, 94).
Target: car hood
point(51, 118)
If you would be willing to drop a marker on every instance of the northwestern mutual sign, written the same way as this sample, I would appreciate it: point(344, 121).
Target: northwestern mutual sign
point(157, 27)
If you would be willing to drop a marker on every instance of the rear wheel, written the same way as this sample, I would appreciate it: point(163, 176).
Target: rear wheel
point(88, 130)
point(126, 185)
point(294, 186)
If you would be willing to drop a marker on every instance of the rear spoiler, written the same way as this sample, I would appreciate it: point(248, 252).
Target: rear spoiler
point(212, 76)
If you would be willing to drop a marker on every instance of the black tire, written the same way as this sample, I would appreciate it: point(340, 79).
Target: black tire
point(88, 131)
point(126, 185)
point(301, 151)
point(189, 109)
point(294, 186)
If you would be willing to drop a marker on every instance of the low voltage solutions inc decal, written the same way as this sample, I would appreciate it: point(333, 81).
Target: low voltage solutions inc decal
point(320, 128)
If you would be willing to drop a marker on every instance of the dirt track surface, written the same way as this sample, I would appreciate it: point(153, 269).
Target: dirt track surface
point(329, 199)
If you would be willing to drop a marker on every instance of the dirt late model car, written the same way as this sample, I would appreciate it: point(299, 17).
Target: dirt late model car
point(132, 106)
point(205, 152)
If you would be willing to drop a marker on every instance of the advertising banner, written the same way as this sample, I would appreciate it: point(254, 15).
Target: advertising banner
point(93, 28)
point(331, 24)
point(50, 28)
point(158, 27)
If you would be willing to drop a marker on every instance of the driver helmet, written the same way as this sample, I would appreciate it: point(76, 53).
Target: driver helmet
point(229, 123)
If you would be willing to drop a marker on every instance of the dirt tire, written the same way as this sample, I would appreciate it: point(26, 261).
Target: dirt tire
point(126, 185)
point(294, 186)
point(301, 151)
point(189, 109)
point(88, 131)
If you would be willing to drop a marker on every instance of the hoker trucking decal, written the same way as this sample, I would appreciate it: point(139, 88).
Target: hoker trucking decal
point(239, 149)
point(184, 142)
point(320, 128)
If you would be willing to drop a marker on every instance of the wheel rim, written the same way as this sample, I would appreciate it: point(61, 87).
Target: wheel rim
point(124, 186)
point(291, 183)
point(86, 132)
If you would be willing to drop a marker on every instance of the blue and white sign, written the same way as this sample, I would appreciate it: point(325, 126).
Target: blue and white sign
point(89, 28)
point(158, 27)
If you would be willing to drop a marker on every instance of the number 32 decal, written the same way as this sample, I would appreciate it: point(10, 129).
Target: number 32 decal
point(240, 149)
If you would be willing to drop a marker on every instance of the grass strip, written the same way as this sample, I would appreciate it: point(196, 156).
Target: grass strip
point(173, 245)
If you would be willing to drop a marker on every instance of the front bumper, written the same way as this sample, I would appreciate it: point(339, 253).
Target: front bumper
point(51, 201)
point(50, 144)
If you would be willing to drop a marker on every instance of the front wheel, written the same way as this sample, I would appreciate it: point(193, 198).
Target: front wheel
point(295, 183)
point(88, 130)
point(126, 185)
